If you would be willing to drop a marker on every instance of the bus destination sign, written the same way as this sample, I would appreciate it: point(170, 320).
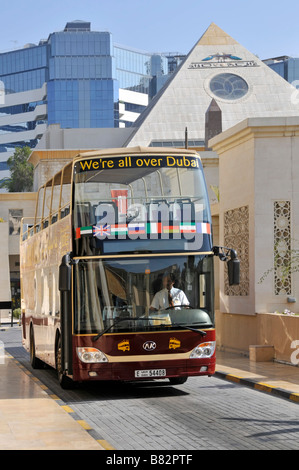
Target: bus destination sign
point(158, 161)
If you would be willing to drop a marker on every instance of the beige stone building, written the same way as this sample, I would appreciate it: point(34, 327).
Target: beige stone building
point(254, 150)
point(258, 215)
point(13, 206)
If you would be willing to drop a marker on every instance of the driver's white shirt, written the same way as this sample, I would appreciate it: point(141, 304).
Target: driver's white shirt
point(160, 299)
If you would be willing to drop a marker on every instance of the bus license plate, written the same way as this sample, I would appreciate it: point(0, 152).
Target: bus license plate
point(150, 373)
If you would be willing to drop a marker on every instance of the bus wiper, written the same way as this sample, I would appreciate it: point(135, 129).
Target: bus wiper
point(201, 332)
point(119, 321)
point(95, 338)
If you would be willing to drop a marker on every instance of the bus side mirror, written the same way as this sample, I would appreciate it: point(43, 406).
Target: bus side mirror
point(65, 271)
point(233, 266)
point(233, 263)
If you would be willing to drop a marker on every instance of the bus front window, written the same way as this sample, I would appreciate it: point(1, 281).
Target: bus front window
point(143, 293)
point(140, 206)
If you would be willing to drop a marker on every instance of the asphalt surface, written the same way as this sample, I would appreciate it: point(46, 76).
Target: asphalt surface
point(202, 414)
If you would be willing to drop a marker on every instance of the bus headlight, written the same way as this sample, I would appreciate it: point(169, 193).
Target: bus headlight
point(203, 350)
point(91, 355)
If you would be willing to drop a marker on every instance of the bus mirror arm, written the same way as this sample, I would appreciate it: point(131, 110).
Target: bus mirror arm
point(65, 273)
point(233, 263)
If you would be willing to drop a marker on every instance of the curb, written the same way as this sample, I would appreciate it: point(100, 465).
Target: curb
point(260, 386)
point(5, 328)
point(94, 434)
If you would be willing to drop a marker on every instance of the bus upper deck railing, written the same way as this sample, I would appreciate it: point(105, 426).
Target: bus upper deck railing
point(33, 225)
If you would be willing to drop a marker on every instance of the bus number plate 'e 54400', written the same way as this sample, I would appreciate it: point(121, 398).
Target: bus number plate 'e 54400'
point(150, 373)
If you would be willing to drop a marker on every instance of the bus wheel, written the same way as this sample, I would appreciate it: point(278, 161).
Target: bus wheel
point(177, 380)
point(34, 361)
point(65, 382)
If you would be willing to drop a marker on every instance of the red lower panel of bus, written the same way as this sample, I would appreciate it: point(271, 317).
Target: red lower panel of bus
point(144, 356)
point(150, 370)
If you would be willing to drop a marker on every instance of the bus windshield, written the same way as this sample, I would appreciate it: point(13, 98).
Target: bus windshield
point(143, 293)
point(128, 204)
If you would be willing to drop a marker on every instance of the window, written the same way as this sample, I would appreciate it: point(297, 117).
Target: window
point(119, 294)
point(228, 86)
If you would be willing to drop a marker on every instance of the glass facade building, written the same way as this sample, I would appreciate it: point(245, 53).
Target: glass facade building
point(73, 79)
point(287, 67)
point(82, 85)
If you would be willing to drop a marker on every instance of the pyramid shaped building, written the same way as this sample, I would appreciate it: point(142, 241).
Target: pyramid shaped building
point(217, 68)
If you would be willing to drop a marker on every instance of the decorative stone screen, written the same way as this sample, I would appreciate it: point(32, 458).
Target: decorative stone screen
point(282, 248)
point(236, 236)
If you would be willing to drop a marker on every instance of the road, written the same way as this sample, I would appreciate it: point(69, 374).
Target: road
point(203, 414)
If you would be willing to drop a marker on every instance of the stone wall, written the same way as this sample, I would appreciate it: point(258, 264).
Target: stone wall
point(236, 333)
point(5, 293)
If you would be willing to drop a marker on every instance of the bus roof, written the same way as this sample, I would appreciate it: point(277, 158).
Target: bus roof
point(137, 150)
point(115, 152)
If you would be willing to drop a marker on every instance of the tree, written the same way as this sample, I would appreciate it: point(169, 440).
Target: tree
point(21, 171)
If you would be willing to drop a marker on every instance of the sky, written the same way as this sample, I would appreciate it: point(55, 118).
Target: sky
point(266, 28)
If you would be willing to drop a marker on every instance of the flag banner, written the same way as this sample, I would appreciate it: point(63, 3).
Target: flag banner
point(119, 229)
point(186, 227)
point(171, 229)
point(141, 228)
point(203, 227)
point(137, 228)
point(83, 231)
point(154, 227)
point(102, 230)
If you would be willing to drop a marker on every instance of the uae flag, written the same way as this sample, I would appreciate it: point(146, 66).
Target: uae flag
point(83, 231)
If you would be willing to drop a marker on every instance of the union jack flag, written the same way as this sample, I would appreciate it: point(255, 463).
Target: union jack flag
point(101, 230)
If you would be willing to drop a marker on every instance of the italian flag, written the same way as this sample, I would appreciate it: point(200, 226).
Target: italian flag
point(154, 227)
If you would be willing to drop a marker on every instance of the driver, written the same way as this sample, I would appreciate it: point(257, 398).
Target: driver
point(169, 296)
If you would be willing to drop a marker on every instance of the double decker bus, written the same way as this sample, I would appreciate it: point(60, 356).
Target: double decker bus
point(117, 269)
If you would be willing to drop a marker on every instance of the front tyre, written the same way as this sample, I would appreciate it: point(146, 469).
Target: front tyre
point(177, 380)
point(65, 382)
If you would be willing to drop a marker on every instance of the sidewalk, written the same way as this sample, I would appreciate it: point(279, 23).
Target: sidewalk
point(5, 321)
point(272, 377)
point(30, 419)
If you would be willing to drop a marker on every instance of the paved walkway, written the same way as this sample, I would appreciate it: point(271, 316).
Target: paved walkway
point(32, 419)
point(272, 377)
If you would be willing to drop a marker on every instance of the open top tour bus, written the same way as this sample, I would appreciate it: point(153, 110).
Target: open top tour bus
point(117, 269)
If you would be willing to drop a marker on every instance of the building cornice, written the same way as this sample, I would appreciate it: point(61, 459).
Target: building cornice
point(255, 128)
point(18, 196)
